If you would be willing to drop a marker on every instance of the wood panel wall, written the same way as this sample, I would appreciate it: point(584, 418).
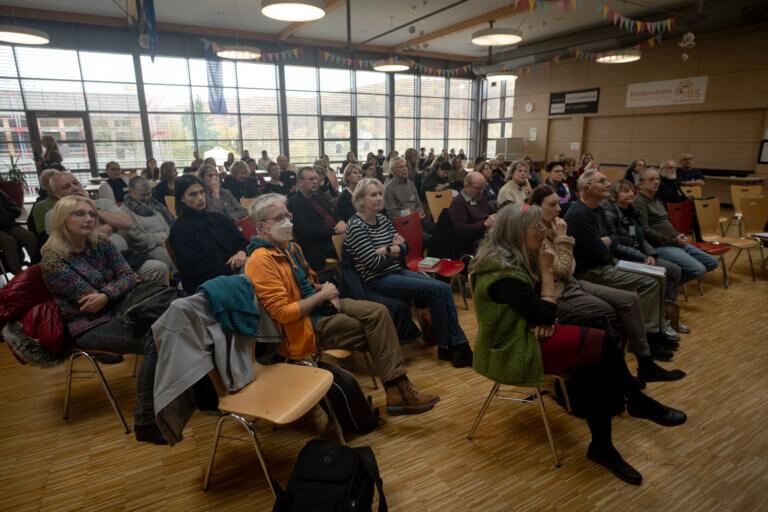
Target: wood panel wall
point(724, 132)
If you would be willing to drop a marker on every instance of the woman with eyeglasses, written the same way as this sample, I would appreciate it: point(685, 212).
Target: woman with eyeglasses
point(217, 198)
point(88, 278)
point(557, 180)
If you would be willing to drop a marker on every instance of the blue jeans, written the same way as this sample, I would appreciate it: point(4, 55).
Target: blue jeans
point(692, 261)
point(438, 296)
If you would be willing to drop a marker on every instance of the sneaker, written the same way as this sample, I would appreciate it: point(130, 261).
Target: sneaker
point(403, 399)
point(149, 434)
point(461, 355)
point(682, 328)
point(669, 332)
point(610, 458)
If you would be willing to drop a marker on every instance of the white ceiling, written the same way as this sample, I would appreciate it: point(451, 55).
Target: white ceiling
point(372, 17)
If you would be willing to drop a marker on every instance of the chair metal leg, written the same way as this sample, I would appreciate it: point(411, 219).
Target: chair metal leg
point(461, 290)
point(108, 391)
point(762, 263)
point(725, 273)
point(685, 291)
point(544, 418)
point(207, 477)
point(369, 364)
point(751, 266)
point(72, 357)
point(334, 420)
point(734, 259)
point(701, 288)
point(565, 395)
point(494, 389)
point(136, 364)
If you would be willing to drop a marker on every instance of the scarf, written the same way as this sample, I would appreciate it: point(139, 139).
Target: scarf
point(148, 209)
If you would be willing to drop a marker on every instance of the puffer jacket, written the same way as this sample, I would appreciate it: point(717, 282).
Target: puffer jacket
point(624, 225)
point(31, 321)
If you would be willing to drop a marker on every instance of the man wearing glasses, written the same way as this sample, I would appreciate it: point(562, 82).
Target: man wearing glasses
point(687, 174)
point(470, 214)
point(315, 220)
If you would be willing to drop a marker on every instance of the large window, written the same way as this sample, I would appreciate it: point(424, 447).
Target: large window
point(371, 110)
point(498, 108)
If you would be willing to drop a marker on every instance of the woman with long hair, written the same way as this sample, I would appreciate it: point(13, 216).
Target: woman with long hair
point(517, 189)
point(51, 157)
point(324, 187)
point(151, 171)
point(490, 192)
point(217, 198)
point(352, 176)
point(633, 170)
point(518, 339)
point(167, 182)
point(351, 159)
point(585, 159)
point(89, 279)
point(239, 182)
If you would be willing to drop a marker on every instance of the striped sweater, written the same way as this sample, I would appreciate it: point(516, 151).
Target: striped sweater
point(98, 269)
point(361, 241)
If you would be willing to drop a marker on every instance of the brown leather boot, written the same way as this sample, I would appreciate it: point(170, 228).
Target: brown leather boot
point(403, 399)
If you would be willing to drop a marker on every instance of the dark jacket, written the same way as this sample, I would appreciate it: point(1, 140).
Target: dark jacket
point(247, 188)
point(310, 229)
point(346, 208)
point(160, 191)
point(625, 226)
point(469, 222)
point(670, 191)
point(203, 242)
point(9, 211)
point(588, 226)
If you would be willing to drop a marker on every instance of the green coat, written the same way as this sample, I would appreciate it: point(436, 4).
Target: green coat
point(505, 349)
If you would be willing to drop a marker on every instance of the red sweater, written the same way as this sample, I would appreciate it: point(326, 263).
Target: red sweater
point(469, 221)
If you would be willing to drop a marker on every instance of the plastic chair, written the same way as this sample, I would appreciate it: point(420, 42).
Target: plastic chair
point(496, 391)
point(692, 191)
point(170, 202)
point(172, 257)
point(247, 227)
point(281, 394)
point(755, 212)
point(246, 202)
point(338, 244)
point(708, 212)
point(438, 201)
point(737, 193)
point(409, 227)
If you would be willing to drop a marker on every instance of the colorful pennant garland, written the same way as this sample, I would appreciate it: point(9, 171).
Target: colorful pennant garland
point(630, 25)
point(368, 64)
point(266, 56)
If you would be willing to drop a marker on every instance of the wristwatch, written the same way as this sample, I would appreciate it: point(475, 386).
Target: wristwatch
point(389, 249)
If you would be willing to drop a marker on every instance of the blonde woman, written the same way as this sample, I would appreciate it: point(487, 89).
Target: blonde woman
point(89, 279)
point(352, 176)
point(51, 157)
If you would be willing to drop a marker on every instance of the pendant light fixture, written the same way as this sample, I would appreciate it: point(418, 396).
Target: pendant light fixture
point(499, 36)
point(15, 34)
point(238, 52)
point(293, 10)
point(501, 75)
point(392, 64)
point(622, 57)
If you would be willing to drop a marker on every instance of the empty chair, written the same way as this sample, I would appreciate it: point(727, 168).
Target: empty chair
point(737, 193)
point(438, 201)
point(170, 202)
point(708, 213)
point(755, 217)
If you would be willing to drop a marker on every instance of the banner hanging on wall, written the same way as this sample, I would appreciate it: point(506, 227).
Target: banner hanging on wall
point(574, 102)
point(667, 92)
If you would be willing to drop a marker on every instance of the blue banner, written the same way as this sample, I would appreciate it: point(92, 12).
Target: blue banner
point(216, 102)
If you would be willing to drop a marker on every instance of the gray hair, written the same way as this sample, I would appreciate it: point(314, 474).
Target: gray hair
point(664, 163)
point(260, 205)
point(394, 162)
point(586, 179)
point(645, 171)
point(504, 242)
point(469, 176)
point(138, 183)
point(46, 177)
point(513, 167)
point(361, 190)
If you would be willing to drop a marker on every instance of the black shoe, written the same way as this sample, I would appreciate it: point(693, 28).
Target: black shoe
point(461, 355)
point(659, 353)
point(443, 354)
point(109, 358)
point(149, 434)
point(655, 373)
point(647, 408)
point(663, 340)
point(611, 459)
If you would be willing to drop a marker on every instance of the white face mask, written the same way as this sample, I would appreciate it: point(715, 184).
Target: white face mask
point(282, 231)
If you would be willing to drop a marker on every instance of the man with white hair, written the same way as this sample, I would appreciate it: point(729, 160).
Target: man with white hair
point(669, 188)
point(311, 316)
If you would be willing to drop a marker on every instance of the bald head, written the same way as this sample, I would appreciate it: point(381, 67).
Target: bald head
point(686, 161)
point(474, 184)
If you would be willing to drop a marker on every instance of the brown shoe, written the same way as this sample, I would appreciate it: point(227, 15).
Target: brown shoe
point(403, 399)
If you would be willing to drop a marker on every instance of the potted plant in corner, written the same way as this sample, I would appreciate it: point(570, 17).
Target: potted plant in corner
point(13, 182)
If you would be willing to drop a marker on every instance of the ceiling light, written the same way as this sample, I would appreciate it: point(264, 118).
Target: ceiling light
point(391, 65)
point(293, 10)
point(238, 52)
point(498, 36)
point(22, 35)
point(501, 75)
point(620, 58)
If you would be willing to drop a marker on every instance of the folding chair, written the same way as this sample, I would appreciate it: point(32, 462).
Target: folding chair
point(438, 201)
point(247, 227)
point(170, 202)
point(692, 191)
point(755, 217)
point(281, 394)
point(246, 202)
point(737, 193)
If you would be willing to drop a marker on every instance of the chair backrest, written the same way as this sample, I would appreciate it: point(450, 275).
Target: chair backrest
point(708, 215)
point(170, 202)
point(680, 216)
point(755, 214)
point(438, 201)
point(171, 256)
point(739, 191)
point(247, 227)
point(338, 244)
point(247, 202)
point(409, 228)
point(693, 191)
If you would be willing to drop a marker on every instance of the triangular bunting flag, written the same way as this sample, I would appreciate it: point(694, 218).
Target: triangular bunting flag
point(605, 11)
point(531, 4)
point(658, 38)
point(668, 22)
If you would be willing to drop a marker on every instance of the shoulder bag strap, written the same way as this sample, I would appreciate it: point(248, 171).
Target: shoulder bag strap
point(369, 463)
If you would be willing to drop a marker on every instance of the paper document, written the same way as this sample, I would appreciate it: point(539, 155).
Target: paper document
point(641, 268)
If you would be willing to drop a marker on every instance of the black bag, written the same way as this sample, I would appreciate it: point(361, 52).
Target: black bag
point(143, 304)
point(329, 477)
point(353, 409)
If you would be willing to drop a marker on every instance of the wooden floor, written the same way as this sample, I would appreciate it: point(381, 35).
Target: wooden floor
point(717, 461)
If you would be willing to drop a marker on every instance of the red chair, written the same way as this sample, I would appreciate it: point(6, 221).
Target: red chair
point(409, 227)
point(681, 218)
point(247, 227)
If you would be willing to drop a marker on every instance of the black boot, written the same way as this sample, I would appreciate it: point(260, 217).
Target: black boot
point(601, 449)
point(663, 340)
point(443, 354)
point(658, 352)
point(149, 434)
point(649, 371)
point(640, 405)
point(461, 355)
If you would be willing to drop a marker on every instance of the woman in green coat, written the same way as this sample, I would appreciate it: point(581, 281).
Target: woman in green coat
point(518, 340)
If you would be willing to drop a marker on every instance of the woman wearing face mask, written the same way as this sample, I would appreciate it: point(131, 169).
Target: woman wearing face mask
point(206, 244)
point(218, 199)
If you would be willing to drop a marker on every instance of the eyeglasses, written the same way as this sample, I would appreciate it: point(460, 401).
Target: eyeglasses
point(288, 216)
point(310, 179)
point(81, 214)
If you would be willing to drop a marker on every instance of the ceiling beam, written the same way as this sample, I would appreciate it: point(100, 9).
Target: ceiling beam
point(497, 14)
point(291, 29)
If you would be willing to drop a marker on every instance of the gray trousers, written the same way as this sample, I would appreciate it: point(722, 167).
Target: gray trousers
point(154, 270)
point(648, 289)
point(621, 308)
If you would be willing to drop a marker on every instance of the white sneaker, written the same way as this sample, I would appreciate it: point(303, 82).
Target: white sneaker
point(669, 332)
point(682, 328)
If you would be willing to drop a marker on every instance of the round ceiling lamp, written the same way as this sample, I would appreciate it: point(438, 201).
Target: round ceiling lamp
point(498, 36)
point(622, 57)
point(293, 10)
point(15, 34)
point(501, 75)
point(391, 65)
point(238, 52)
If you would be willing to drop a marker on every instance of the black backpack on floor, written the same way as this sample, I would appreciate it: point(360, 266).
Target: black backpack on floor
point(329, 477)
point(352, 407)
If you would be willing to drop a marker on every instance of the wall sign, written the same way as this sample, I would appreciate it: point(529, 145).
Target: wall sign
point(574, 102)
point(667, 92)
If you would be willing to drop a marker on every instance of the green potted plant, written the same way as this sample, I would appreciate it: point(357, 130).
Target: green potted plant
point(13, 182)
